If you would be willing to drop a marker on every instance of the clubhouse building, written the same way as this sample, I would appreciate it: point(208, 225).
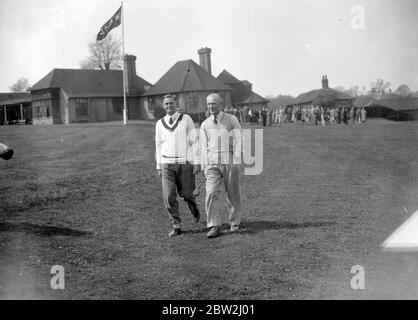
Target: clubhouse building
point(65, 96)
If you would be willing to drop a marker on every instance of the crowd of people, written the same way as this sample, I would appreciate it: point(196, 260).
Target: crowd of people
point(307, 114)
point(319, 115)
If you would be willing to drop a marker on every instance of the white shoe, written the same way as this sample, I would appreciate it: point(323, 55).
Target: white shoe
point(234, 228)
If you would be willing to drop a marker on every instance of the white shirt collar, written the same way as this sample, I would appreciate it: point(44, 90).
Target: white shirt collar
point(218, 117)
point(174, 117)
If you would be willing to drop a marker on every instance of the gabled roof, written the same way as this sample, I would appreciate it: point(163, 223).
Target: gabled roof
point(186, 76)
point(88, 83)
point(254, 98)
point(322, 96)
point(227, 78)
point(241, 90)
point(361, 101)
point(399, 104)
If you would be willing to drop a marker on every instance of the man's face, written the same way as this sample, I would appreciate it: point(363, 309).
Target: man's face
point(169, 106)
point(213, 105)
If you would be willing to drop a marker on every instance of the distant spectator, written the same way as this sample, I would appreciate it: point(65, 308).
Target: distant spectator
point(268, 121)
point(363, 115)
point(344, 115)
point(351, 115)
point(332, 116)
point(263, 116)
point(322, 110)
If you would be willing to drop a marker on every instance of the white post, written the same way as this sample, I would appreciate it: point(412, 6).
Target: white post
point(125, 113)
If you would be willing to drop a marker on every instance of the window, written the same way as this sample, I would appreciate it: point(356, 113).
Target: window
point(194, 101)
point(42, 108)
point(43, 112)
point(81, 107)
point(118, 105)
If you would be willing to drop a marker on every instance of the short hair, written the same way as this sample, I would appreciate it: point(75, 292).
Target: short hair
point(215, 95)
point(170, 96)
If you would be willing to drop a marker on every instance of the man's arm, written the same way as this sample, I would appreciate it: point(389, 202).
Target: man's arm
point(158, 141)
point(193, 139)
point(203, 141)
point(237, 140)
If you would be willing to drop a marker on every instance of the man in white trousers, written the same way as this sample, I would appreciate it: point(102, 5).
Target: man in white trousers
point(221, 162)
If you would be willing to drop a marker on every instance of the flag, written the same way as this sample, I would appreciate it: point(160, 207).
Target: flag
point(110, 24)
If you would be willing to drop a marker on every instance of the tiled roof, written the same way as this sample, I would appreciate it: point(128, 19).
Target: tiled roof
point(254, 98)
point(88, 83)
point(14, 98)
point(321, 96)
point(227, 78)
point(186, 76)
point(361, 101)
point(399, 104)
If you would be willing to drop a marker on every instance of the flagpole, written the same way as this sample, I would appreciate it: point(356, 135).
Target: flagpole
point(125, 113)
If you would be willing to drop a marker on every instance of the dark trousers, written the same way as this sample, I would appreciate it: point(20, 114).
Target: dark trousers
point(178, 177)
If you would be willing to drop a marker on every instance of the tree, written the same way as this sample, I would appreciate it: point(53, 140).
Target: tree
point(280, 100)
point(22, 85)
point(403, 90)
point(104, 55)
point(362, 91)
point(379, 86)
point(353, 91)
point(339, 88)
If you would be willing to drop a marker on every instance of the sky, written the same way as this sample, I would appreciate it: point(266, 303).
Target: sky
point(280, 46)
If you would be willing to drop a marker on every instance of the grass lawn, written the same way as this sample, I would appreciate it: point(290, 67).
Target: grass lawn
point(87, 197)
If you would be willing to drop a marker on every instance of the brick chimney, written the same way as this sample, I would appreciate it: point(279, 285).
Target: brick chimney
point(204, 58)
point(130, 73)
point(324, 82)
point(248, 85)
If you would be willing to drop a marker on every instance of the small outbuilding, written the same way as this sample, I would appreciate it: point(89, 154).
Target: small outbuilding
point(398, 109)
point(325, 96)
point(15, 108)
point(67, 96)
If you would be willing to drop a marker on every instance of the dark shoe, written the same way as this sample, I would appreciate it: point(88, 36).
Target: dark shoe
point(234, 228)
point(196, 216)
point(213, 232)
point(7, 154)
point(175, 232)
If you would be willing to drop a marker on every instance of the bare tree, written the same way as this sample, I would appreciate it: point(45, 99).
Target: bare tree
point(379, 86)
point(22, 85)
point(104, 55)
point(403, 90)
point(353, 91)
point(362, 91)
point(339, 88)
point(279, 100)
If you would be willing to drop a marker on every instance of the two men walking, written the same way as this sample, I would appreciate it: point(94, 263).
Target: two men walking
point(178, 145)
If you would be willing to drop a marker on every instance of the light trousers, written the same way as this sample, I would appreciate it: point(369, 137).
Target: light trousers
point(228, 174)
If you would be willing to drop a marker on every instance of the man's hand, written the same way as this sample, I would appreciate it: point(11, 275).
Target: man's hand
point(159, 172)
point(196, 168)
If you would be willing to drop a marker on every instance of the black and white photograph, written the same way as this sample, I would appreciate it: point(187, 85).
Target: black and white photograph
point(210, 152)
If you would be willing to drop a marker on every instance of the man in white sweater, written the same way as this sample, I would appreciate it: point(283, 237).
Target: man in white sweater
point(177, 157)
